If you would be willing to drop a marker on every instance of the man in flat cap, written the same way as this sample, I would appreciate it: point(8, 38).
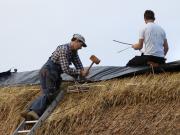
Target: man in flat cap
point(59, 62)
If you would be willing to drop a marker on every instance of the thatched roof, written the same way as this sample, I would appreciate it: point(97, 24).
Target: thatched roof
point(147, 104)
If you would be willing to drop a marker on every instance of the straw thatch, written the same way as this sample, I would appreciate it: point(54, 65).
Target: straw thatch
point(148, 104)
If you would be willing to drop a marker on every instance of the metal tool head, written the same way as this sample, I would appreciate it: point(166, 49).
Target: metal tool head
point(94, 59)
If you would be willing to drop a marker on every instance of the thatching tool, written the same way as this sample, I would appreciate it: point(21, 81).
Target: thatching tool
point(124, 49)
point(122, 42)
point(84, 87)
point(95, 60)
point(125, 44)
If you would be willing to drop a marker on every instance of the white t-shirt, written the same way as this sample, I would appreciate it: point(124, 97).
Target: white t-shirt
point(154, 37)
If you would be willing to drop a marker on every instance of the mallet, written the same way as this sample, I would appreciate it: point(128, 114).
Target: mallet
point(95, 60)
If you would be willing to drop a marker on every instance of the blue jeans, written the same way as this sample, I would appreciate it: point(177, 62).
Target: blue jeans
point(50, 81)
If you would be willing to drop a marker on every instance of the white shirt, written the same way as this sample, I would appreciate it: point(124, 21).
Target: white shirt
point(154, 37)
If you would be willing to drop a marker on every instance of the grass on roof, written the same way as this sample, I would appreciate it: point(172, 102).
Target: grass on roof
point(146, 104)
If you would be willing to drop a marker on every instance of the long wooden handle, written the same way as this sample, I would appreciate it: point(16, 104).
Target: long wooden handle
point(90, 66)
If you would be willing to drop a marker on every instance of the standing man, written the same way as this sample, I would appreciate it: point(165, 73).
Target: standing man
point(155, 43)
point(50, 78)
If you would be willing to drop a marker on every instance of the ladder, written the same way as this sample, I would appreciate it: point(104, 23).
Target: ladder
point(34, 124)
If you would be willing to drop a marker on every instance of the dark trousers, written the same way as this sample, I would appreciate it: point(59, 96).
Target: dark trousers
point(50, 81)
point(144, 59)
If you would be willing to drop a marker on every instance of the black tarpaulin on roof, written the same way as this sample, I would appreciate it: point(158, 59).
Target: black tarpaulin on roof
point(96, 74)
point(6, 73)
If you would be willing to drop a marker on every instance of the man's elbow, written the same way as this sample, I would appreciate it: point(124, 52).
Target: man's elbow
point(166, 50)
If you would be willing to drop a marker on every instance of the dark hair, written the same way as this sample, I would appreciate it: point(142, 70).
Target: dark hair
point(73, 39)
point(149, 15)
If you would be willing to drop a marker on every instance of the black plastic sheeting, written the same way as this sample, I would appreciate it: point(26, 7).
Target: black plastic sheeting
point(6, 73)
point(96, 74)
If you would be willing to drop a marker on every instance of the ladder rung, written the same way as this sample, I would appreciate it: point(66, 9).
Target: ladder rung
point(24, 131)
point(33, 121)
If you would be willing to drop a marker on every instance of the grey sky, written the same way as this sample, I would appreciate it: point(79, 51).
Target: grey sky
point(30, 30)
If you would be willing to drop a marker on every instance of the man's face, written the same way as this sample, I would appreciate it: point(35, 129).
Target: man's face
point(78, 44)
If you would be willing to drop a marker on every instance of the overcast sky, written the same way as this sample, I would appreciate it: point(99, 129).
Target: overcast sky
point(30, 30)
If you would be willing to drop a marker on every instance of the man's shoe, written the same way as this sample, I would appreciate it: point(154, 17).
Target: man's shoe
point(32, 116)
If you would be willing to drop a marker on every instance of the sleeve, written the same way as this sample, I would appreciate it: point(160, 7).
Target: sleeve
point(141, 33)
point(63, 61)
point(77, 62)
